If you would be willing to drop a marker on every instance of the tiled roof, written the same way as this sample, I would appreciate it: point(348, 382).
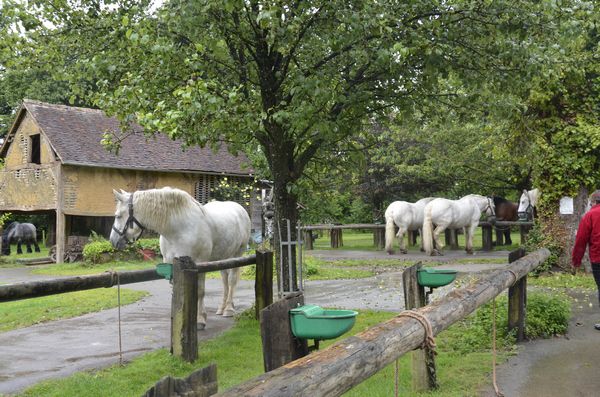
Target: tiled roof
point(75, 134)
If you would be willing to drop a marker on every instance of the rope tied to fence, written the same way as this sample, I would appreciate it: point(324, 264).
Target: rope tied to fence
point(428, 341)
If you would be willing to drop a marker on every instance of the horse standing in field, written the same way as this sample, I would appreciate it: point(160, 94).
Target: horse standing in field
point(21, 233)
point(527, 203)
point(215, 231)
point(453, 214)
point(505, 211)
point(406, 216)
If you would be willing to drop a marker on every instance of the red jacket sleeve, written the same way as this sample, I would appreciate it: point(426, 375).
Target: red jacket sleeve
point(581, 240)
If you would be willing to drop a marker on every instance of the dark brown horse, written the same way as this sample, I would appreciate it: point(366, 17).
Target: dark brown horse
point(505, 211)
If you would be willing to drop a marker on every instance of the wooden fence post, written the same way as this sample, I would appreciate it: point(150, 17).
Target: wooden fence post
point(308, 240)
point(517, 299)
point(500, 236)
point(487, 237)
point(263, 285)
point(524, 231)
point(200, 383)
point(337, 240)
point(184, 309)
point(412, 238)
point(278, 343)
point(379, 238)
point(451, 238)
point(423, 361)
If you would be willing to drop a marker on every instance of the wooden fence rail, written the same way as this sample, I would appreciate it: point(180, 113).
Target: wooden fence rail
point(379, 231)
point(33, 289)
point(335, 370)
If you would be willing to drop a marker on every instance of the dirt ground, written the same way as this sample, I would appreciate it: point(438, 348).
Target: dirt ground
point(556, 367)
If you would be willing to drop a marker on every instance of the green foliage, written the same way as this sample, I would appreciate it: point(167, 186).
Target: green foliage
point(547, 315)
point(149, 243)
point(93, 251)
point(562, 280)
point(546, 234)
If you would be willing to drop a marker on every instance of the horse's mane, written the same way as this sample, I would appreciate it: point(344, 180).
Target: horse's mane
point(9, 229)
point(165, 203)
point(500, 200)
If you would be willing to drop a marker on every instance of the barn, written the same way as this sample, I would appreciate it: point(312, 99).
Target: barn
point(56, 165)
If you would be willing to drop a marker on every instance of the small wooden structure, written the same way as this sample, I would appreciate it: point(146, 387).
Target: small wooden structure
point(55, 165)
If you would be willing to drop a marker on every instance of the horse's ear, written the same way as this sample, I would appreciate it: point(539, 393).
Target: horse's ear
point(119, 195)
point(525, 191)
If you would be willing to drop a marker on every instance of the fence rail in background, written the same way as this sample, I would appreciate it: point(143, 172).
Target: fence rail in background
point(379, 233)
point(336, 369)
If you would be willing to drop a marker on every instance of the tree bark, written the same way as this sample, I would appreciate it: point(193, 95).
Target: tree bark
point(571, 223)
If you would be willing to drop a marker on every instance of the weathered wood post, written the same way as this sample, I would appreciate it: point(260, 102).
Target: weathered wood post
point(263, 285)
point(184, 309)
point(451, 238)
point(200, 383)
point(517, 299)
point(379, 238)
point(278, 343)
point(308, 240)
point(336, 238)
point(524, 231)
point(487, 237)
point(423, 361)
point(412, 238)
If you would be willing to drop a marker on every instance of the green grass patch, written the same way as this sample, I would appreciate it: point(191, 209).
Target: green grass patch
point(81, 268)
point(26, 312)
point(463, 361)
point(564, 281)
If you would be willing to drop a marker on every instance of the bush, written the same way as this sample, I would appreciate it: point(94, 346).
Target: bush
point(546, 233)
point(547, 315)
point(149, 243)
point(93, 251)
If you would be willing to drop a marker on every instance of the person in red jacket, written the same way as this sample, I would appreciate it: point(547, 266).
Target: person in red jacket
point(588, 233)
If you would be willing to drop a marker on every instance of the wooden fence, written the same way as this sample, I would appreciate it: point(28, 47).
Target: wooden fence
point(336, 369)
point(185, 295)
point(336, 236)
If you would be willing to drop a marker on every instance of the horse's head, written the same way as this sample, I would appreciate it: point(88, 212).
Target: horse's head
point(486, 204)
point(527, 204)
point(126, 228)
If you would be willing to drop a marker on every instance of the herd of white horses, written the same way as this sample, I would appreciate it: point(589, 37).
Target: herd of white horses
point(221, 230)
point(431, 216)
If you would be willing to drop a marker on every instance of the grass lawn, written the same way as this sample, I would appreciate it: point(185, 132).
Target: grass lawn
point(359, 240)
point(239, 358)
point(14, 256)
point(80, 268)
point(27, 312)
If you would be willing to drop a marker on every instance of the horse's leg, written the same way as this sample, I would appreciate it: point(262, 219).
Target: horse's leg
point(19, 250)
point(469, 231)
point(28, 244)
point(37, 247)
point(201, 310)
point(400, 236)
point(439, 245)
point(234, 275)
point(507, 239)
point(225, 279)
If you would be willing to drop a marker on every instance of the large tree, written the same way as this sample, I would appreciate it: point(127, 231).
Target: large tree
point(298, 79)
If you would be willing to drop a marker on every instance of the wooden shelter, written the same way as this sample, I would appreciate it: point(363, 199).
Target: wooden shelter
point(55, 164)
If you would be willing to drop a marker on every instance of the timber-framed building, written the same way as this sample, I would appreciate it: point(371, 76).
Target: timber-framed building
point(56, 165)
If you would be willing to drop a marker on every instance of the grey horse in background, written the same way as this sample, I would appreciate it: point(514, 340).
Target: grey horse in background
point(21, 233)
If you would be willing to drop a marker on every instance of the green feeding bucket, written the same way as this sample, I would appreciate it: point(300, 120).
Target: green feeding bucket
point(435, 277)
point(165, 270)
point(313, 322)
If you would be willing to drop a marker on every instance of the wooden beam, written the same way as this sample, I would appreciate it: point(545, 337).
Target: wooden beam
point(517, 299)
point(336, 369)
point(263, 284)
point(184, 310)
point(60, 215)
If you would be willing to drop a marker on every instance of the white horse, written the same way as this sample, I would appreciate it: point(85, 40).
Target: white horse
point(454, 214)
point(406, 216)
point(527, 204)
point(217, 230)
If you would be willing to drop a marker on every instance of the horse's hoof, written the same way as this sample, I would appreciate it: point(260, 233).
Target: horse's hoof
point(228, 313)
point(469, 252)
point(390, 252)
point(437, 252)
point(201, 326)
point(403, 251)
point(219, 311)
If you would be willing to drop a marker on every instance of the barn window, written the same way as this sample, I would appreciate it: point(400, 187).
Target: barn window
point(35, 149)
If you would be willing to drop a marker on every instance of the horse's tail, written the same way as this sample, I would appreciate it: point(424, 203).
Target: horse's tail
point(427, 237)
point(390, 231)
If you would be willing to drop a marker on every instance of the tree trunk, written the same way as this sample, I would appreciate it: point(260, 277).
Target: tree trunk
point(285, 208)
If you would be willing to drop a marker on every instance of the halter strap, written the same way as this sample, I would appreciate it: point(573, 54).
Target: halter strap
point(130, 221)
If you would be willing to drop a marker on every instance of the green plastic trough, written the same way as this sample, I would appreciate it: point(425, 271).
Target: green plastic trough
point(165, 270)
point(313, 322)
point(435, 277)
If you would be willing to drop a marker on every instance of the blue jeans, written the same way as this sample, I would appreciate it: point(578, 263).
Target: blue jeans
point(596, 273)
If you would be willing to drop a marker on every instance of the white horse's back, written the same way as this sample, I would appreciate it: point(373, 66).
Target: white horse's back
point(231, 231)
point(406, 216)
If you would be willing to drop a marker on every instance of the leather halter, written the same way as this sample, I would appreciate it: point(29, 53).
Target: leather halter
point(129, 223)
point(528, 213)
